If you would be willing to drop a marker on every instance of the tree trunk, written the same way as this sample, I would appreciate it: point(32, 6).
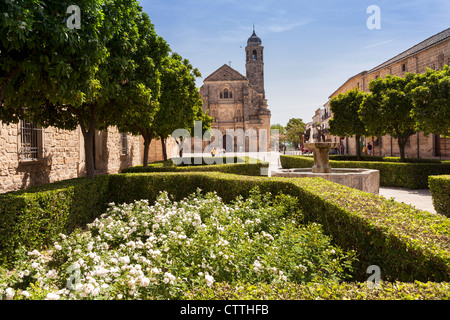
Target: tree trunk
point(358, 148)
point(147, 141)
point(401, 145)
point(163, 145)
point(88, 132)
point(89, 152)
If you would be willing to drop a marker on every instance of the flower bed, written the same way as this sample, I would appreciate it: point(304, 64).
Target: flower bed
point(137, 251)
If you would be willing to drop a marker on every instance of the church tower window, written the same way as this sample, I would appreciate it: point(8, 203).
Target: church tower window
point(255, 55)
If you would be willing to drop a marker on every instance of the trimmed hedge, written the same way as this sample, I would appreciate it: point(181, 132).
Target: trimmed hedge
point(323, 291)
point(406, 243)
point(383, 159)
point(392, 174)
point(32, 218)
point(440, 192)
point(233, 165)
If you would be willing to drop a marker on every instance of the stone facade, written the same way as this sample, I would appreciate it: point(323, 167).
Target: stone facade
point(238, 102)
point(59, 155)
point(432, 53)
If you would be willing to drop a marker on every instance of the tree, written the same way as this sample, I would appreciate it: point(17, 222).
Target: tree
point(387, 109)
point(431, 101)
point(138, 118)
point(281, 136)
point(180, 102)
point(346, 121)
point(70, 77)
point(295, 128)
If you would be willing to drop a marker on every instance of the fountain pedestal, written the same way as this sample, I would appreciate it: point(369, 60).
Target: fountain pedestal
point(321, 155)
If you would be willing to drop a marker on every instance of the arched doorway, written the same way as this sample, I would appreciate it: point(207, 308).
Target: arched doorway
point(228, 143)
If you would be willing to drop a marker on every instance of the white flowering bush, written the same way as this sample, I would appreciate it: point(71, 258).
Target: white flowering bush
point(161, 251)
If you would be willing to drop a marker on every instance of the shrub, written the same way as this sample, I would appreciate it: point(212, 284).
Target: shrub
point(233, 165)
point(392, 174)
point(440, 191)
point(33, 217)
point(406, 243)
point(137, 251)
point(322, 291)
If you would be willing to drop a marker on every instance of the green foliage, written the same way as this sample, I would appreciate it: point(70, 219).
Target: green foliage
point(232, 165)
point(392, 174)
point(165, 249)
point(294, 130)
point(440, 191)
point(346, 122)
point(387, 109)
point(431, 99)
point(32, 218)
point(407, 244)
point(322, 291)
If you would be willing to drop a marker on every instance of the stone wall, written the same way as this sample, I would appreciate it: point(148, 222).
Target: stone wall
point(63, 156)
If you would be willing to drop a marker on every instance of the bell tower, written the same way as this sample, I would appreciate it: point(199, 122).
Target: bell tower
point(255, 62)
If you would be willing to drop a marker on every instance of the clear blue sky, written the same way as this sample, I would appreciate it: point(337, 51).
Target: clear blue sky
point(311, 47)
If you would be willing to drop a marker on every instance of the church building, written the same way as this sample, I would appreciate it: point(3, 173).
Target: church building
point(238, 103)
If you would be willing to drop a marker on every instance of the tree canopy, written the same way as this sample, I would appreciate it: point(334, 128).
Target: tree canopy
point(387, 109)
point(106, 73)
point(431, 101)
point(346, 121)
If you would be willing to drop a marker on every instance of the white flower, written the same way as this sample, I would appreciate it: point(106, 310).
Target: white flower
point(125, 260)
point(25, 293)
point(10, 293)
point(34, 265)
point(34, 253)
point(144, 281)
point(209, 280)
point(155, 271)
point(257, 266)
point(52, 296)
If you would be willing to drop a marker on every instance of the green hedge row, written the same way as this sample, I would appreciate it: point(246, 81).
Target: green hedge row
point(233, 165)
point(440, 191)
point(392, 174)
point(383, 159)
point(32, 218)
point(325, 291)
point(406, 243)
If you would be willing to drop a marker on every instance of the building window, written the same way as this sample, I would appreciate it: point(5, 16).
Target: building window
point(31, 141)
point(254, 55)
point(226, 94)
point(403, 67)
point(124, 143)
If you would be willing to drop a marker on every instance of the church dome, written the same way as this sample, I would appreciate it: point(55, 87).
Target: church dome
point(254, 40)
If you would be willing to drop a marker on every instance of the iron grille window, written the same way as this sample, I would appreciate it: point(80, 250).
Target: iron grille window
point(124, 138)
point(31, 138)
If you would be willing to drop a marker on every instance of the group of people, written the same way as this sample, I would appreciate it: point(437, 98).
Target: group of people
point(367, 149)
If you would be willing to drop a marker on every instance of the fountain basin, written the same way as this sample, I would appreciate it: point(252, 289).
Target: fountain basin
point(366, 180)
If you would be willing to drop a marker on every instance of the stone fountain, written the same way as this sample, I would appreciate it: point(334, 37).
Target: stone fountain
point(363, 179)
